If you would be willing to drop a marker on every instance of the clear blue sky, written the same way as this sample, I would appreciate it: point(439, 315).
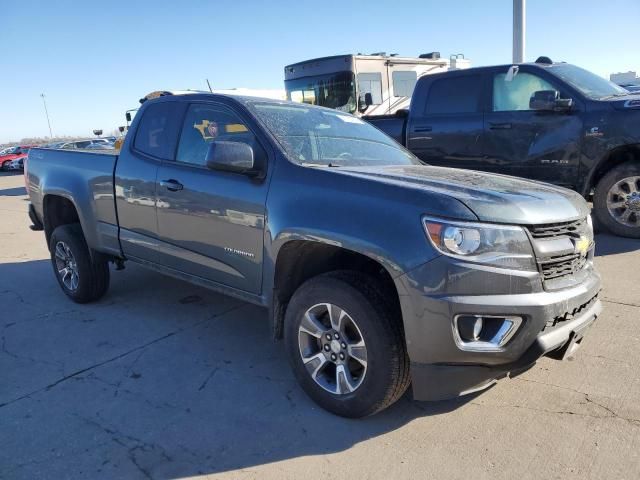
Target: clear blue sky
point(93, 60)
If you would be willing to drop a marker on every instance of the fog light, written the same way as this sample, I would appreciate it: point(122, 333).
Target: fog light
point(484, 332)
point(470, 327)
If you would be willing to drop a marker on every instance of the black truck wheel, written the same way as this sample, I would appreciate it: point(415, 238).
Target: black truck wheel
point(345, 344)
point(81, 277)
point(617, 200)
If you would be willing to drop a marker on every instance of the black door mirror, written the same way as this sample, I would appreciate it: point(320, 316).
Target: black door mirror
point(231, 157)
point(368, 99)
point(364, 101)
point(549, 101)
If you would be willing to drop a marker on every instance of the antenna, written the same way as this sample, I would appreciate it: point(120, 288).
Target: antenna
point(209, 85)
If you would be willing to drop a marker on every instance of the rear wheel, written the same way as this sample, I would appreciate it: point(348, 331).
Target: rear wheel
point(81, 277)
point(5, 165)
point(345, 344)
point(617, 200)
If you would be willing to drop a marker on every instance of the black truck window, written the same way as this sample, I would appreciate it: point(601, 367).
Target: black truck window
point(454, 95)
point(158, 130)
point(513, 95)
point(204, 124)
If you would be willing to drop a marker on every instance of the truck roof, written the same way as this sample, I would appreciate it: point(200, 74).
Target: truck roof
point(203, 93)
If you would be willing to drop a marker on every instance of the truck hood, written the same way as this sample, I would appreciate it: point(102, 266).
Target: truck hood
point(491, 197)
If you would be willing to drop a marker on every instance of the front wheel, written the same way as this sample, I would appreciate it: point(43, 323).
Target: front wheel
point(345, 344)
point(617, 200)
point(82, 278)
point(5, 165)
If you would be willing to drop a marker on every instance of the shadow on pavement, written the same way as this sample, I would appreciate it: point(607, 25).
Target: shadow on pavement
point(159, 379)
point(13, 192)
point(607, 244)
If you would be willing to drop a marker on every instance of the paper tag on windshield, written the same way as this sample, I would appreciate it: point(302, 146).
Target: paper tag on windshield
point(344, 118)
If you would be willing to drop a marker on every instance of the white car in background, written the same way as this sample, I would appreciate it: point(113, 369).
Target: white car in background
point(17, 165)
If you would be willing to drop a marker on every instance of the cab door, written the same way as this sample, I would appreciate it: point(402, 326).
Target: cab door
point(211, 223)
point(446, 121)
point(527, 143)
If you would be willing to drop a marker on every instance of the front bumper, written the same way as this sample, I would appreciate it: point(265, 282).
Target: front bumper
point(554, 323)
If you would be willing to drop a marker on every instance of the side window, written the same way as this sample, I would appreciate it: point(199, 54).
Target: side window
point(205, 123)
point(454, 95)
point(513, 95)
point(371, 83)
point(403, 83)
point(158, 130)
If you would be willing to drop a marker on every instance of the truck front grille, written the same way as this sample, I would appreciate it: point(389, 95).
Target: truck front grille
point(560, 266)
point(571, 229)
point(563, 262)
point(569, 315)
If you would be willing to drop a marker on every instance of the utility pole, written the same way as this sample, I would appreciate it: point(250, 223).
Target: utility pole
point(47, 114)
point(519, 30)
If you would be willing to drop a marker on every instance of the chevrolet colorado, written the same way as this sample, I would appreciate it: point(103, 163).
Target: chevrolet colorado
point(553, 122)
point(377, 270)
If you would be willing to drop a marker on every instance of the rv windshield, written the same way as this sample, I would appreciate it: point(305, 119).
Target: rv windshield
point(336, 90)
point(321, 137)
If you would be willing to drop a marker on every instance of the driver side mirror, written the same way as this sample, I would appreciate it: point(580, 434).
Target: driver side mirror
point(235, 157)
point(364, 101)
point(549, 101)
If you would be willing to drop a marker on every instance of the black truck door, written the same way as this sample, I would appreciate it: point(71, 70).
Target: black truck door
point(446, 121)
point(539, 145)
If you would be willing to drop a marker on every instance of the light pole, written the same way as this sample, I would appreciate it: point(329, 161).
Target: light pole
point(519, 30)
point(47, 114)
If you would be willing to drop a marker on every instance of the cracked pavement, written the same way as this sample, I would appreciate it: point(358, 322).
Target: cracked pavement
point(164, 380)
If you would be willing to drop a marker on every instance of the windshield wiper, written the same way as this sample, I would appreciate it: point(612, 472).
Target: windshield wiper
point(309, 164)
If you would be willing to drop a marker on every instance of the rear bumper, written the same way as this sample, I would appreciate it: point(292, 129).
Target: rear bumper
point(553, 323)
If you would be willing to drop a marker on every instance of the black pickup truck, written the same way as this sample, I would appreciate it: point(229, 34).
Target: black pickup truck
point(552, 122)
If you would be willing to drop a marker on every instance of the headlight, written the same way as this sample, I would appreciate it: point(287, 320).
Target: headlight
point(590, 227)
point(496, 245)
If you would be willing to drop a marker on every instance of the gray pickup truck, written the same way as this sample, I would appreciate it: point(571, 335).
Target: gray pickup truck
point(377, 270)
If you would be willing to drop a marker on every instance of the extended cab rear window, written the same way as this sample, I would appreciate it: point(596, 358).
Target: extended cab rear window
point(157, 133)
point(454, 95)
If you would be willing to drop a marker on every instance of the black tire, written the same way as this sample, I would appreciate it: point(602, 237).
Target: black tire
point(92, 274)
point(387, 372)
point(5, 165)
point(604, 192)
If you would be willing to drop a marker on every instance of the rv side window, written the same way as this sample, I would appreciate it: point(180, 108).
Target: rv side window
point(404, 83)
point(454, 95)
point(371, 83)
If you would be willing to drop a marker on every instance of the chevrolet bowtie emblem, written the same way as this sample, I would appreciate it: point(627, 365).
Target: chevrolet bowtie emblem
point(581, 245)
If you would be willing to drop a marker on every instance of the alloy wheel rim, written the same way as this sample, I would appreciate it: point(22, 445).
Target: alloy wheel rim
point(67, 266)
point(332, 349)
point(623, 201)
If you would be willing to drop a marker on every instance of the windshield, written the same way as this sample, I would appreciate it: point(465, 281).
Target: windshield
point(589, 84)
point(321, 137)
point(335, 91)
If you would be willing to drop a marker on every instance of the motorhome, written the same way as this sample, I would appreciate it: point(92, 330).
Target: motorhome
point(375, 84)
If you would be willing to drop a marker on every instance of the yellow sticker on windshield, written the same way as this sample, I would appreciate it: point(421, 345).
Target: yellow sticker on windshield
point(235, 128)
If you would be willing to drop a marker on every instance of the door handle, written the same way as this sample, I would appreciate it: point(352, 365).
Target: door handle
point(171, 184)
point(499, 126)
point(424, 128)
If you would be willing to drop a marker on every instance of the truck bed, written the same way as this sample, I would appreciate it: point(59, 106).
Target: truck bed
point(84, 176)
point(392, 125)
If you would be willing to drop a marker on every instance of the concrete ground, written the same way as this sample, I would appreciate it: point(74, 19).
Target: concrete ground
point(161, 379)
